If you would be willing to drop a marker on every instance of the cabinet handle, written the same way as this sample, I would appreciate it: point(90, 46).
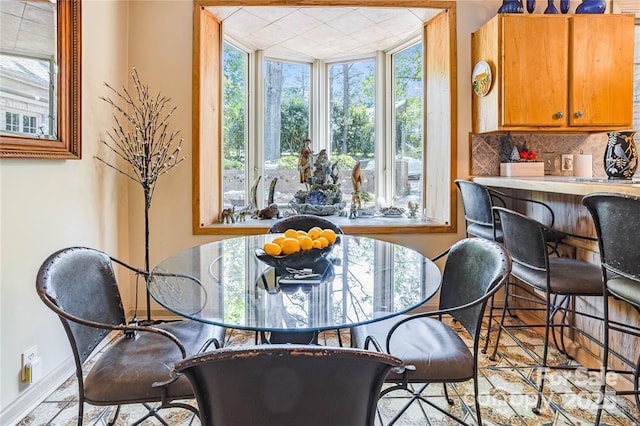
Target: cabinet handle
point(559, 114)
point(579, 114)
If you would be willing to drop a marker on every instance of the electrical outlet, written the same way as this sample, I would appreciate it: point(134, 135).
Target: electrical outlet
point(28, 357)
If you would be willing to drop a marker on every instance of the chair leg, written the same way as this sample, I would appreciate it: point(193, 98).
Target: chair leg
point(545, 350)
point(605, 361)
point(446, 394)
point(115, 416)
point(475, 397)
point(501, 325)
point(486, 341)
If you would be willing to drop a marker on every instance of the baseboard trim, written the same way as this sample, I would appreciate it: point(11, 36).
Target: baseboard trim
point(29, 399)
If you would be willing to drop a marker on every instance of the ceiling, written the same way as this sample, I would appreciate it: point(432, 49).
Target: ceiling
point(321, 32)
point(28, 27)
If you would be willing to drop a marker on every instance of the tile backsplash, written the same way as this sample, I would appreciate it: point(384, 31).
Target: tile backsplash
point(485, 150)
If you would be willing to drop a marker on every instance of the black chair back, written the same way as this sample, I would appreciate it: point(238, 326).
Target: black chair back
point(524, 237)
point(477, 202)
point(617, 220)
point(89, 296)
point(303, 222)
point(474, 269)
point(287, 385)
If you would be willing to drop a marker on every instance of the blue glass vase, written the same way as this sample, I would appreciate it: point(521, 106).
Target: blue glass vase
point(511, 6)
point(551, 9)
point(591, 6)
point(531, 6)
point(564, 6)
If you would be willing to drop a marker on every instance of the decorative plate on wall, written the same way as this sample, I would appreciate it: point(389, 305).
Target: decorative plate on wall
point(481, 78)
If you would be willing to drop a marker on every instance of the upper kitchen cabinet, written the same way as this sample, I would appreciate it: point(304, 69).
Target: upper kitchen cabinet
point(562, 73)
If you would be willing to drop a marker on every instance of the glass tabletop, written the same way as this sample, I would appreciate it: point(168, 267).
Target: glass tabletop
point(359, 280)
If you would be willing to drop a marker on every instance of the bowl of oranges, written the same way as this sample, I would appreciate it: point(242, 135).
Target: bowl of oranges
point(297, 249)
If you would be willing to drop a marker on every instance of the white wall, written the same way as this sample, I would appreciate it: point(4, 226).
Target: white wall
point(47, 205)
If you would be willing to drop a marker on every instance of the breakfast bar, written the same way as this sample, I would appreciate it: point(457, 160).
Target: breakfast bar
point(564, 195)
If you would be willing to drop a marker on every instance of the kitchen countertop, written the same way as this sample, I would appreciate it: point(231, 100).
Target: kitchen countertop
point(560, 184)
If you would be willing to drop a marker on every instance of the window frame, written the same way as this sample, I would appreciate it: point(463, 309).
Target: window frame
point(207, 116)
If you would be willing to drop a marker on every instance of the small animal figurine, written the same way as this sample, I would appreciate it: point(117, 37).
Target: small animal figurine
point(270, 212)
point(227, 215)
point(241, 216)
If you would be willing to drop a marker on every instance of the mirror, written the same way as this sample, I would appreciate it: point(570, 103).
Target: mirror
point(40, 79)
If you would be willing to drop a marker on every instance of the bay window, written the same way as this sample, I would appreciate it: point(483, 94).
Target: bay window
point(372, 108)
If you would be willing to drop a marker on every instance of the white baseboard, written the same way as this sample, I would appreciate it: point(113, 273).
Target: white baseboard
point(28, 400)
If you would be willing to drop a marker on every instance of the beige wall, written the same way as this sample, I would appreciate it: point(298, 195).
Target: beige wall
point(47, 205)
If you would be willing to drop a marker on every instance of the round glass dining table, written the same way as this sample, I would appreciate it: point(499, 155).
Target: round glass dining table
point(360, 280)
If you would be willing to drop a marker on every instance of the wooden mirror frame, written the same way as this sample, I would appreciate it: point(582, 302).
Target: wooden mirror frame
point(67, 145)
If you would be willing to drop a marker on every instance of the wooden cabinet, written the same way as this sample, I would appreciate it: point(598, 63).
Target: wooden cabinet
point(569, 73)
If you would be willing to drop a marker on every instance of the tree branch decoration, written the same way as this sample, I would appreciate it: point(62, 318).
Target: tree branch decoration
point(142, 138)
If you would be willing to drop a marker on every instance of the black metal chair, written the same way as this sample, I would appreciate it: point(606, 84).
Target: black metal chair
point(617, 220)
point(431, 349)
point(559, 279)
point(80, 286)
point(287, 385)
point(300, 222)
point(481, 221)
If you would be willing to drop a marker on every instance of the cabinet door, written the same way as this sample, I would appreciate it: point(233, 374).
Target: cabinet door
point(602, 70)
point(535, 70)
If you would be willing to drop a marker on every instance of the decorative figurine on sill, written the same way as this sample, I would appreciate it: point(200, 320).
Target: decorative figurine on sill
point(241, 216)
point(335, 172)
point(353, 211)
point(356, 181)
point(227, 215)
point(322, 168)
point(413, 209)
point(253, 196)
point(272, 191)
point(270, 212)
point(304, 160)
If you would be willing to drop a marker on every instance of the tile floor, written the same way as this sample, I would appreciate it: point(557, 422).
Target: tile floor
point(507, 391)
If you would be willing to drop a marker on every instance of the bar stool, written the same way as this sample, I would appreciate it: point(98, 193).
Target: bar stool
point(558, 278)
point(481, 221)
point(617, 221)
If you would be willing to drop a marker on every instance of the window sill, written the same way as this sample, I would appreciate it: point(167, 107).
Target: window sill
point(375, 225)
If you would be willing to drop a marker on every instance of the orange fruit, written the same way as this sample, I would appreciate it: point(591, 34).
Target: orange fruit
point(314, 233)
point(323, 242)
point(272, 249)
point(300, 232)
point(277, 240)
point(329, 235)
point(317, 244)
point(291, 233)
point(290, 245)
point(306, 243)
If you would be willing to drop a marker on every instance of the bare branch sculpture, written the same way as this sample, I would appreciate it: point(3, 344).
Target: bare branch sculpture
point(142, 138)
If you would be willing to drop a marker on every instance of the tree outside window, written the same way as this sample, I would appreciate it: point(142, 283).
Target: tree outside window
point(234, 133)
